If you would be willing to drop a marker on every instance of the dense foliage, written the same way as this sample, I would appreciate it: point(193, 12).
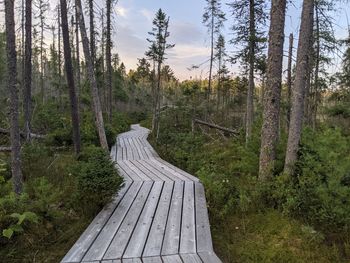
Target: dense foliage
point(300, 219)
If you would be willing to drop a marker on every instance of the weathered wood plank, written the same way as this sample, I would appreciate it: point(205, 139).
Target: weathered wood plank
point(172, 259)
point(190, 258)
point(164, 169)
point(77, 252)
point(138, 168)
point(143, 164)
point(172, 231)
point(152, 260)
point(139, 236)
point(120, 240)
point(155, 239)
point(204, 241)
point(100, 245)
point(188, 225)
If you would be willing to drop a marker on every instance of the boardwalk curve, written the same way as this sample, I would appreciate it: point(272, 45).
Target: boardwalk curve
point(160, 215)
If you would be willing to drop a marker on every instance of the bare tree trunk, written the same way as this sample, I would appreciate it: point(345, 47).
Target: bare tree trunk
point(12, 87)
point(59, 53)
point(251, 84)
point(77, 50)
point(109, 59)
point(211, 59)
point(92, 32)
point(92, 78)
point(272, 93)
point(42, 54)
point(305, 35)
point(70, 77)
point(28, 71)
point(289, 77)
point(317, 70)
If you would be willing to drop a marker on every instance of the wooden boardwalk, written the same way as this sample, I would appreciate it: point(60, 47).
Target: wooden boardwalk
point(160, 215)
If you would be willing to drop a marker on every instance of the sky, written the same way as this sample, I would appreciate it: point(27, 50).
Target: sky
point(134, 21)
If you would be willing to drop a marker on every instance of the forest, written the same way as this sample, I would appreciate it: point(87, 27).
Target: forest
point(265, 128)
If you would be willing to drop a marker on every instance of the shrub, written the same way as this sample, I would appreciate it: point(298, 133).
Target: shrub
point(97, 178)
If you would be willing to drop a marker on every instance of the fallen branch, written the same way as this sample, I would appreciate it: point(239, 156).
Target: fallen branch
point(214, 126)
point(5, 149)
point(32, 135)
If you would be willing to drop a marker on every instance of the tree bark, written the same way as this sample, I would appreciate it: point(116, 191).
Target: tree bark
point(70, 77)
point(272, 93)
point(211, 58)
point(77, 50)
point(28, 71)
point(289, 77)
point(251, 84)
point(305, 35)
point(12, 87)
point(92, 78)
point(109, 59)
point(92, 32)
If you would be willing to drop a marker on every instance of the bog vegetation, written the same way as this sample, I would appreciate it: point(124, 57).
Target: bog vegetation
point(273, 152)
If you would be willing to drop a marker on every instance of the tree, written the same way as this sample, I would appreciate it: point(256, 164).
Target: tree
point(109, 6)
point(43, 7)
point(157, 52)
point(272, 94)
point(289, 76)
point(302, 68)
point(220, 55)
point(70, 77)
point(12, 87)
point(92, 78)
point(250, 18)
point(92, 30)
point(213, 19)
point(28, 70)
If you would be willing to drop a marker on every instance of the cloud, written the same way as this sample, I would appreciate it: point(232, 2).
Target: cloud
point(121, 11)
point(147, 14)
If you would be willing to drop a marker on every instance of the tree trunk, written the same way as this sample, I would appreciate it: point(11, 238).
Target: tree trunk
point(92, 78)
point(272, 93)
point(317, 71)
point(251, 84)
point(12, 87)
point(296, 120)
point(42, 54)
point(289, 77)
point(77, 50)
point(70, 77)
point(59, 53)
point(28, 71)
point(211, 59)
point(92, 32)
point(109, 59)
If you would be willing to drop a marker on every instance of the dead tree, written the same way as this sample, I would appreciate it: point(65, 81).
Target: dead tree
point(92, 78)
point(70, 77)
point(272, 93)
point(17, 177)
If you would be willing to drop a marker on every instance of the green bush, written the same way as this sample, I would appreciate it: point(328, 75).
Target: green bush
point(97, 178)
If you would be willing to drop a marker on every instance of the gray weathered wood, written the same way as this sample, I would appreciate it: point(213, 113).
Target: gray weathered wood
point(188, 225)
point(155, 239)
point(139, 237)
point(172, 231)
point(120, 240)
point(100, 245)
point(79, 249)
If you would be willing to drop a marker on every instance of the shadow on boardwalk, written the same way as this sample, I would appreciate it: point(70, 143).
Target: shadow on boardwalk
point(160, 215)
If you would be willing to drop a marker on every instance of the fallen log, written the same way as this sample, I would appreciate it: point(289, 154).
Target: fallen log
point(5, 149)
point(33, 135)
point(214, 126)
